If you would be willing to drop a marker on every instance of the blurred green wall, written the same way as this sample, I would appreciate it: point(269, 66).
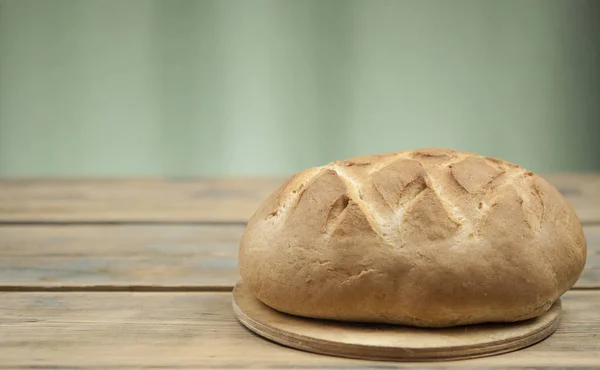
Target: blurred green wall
point(204, 88)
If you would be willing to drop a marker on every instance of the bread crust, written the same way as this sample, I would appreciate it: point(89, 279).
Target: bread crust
point(429, 238)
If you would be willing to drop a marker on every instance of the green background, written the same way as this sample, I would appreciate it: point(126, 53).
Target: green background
point(241, 88)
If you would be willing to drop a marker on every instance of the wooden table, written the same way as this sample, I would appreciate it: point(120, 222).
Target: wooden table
point(124, 274)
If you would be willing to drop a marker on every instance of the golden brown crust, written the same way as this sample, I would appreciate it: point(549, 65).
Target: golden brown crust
point(432, 237)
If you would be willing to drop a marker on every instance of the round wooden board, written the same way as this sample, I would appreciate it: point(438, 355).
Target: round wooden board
point(389, 342)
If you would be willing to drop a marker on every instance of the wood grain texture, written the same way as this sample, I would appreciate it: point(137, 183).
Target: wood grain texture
point(109, 256)
point(207, 200)
point(201, 257)
point(199, 330)
point(582, 191)
point(390, 342)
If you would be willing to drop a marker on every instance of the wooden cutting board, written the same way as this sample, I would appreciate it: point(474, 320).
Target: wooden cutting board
point(389, 342)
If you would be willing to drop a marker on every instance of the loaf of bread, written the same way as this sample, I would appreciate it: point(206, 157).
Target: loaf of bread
point(429, 238)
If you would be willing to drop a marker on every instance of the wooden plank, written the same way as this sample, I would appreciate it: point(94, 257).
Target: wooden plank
point(582, 191)
point(199, 330)
point(147, 256)
point(206, 200)
point(590, 278)
point(203, 256)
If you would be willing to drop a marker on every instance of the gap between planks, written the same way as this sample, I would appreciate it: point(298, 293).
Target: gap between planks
point(115, 288)
point(4, 223)
point(151, 289)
